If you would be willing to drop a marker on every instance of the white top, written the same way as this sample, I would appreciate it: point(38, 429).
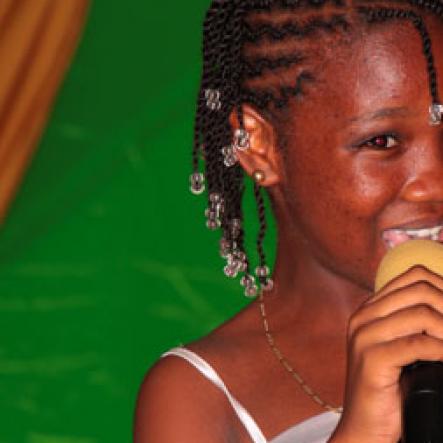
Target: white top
point(317, 429)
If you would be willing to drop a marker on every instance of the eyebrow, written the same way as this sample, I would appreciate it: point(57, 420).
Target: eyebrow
point(381, 114)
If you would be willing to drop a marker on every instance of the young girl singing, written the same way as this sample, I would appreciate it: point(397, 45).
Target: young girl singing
point(332, 107)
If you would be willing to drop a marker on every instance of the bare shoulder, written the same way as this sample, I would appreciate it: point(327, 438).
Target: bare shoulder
point(176, 403)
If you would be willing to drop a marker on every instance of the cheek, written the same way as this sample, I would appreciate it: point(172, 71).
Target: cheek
point(336, 206)
point(341, 194)
point(372, 184)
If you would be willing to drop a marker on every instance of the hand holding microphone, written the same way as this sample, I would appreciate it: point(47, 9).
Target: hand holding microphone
point(421, 382)
point(400, 325)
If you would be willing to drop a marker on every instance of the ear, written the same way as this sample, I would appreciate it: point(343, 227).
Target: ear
point(262, 154)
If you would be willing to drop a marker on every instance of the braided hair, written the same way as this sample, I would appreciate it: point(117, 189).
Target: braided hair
point(233, 76)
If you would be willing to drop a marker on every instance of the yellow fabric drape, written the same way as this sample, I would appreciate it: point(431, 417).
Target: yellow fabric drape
point(37, 41)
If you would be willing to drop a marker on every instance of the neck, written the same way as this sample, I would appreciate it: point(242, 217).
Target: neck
point(308, 312)
point(313, 295)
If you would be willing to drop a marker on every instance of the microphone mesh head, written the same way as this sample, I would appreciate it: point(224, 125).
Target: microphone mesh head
point(398, 260)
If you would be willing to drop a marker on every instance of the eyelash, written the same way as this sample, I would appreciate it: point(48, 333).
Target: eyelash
point(370, 143)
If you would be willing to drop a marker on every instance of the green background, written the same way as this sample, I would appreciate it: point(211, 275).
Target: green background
point(104, 259)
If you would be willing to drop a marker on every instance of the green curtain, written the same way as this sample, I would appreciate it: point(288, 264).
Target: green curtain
point(104, 258)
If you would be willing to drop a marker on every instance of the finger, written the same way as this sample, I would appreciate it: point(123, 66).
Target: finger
point(418, 319)
point(387, 359)
point(418, 292)
point(416, 273)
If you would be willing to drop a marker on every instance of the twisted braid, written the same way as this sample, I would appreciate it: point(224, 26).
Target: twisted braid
point(262, 221)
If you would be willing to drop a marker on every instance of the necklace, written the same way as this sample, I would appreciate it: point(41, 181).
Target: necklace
point(282, 359)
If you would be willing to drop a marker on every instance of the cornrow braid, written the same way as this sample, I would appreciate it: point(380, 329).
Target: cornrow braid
point(305, 5)
point(257, 66)
point(262, 99)
point(233, 75)
point(385, 14)
point(289, 29)
point(434, 7)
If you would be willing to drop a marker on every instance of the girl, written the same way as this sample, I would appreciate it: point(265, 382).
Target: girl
point(333, 107)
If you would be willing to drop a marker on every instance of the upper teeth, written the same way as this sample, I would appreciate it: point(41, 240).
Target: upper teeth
point(432, 233)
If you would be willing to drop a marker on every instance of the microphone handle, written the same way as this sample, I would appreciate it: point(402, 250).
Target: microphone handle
point(421, 386)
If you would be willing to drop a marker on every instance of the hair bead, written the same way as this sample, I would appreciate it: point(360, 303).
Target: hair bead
point(435, 114)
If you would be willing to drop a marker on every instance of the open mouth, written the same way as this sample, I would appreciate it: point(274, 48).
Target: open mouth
point(394, 237)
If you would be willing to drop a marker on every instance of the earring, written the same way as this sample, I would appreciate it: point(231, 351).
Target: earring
point(241, 143)
point(259, 176)
point(241, 140)
point(435, 114)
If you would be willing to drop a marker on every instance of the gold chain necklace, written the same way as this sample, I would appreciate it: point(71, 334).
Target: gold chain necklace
point(281, 358)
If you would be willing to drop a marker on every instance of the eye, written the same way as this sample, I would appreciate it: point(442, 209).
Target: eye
point(381, 142)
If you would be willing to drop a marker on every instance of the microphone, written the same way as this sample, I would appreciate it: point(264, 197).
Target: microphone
point(421, 383)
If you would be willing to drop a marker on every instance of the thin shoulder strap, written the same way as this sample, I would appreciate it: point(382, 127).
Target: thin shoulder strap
point(209, 372)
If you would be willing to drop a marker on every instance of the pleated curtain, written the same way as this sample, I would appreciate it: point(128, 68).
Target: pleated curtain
point(37, 42)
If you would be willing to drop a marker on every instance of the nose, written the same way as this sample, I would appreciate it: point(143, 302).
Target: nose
point(425, 181)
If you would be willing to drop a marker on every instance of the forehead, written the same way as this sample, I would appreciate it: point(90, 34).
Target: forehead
point(383, 66)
